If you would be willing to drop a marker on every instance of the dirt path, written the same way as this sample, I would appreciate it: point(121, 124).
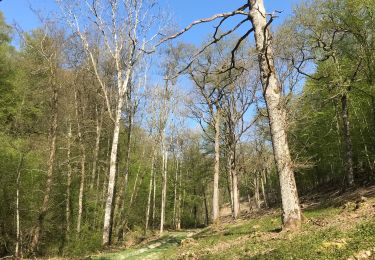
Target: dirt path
point(152, 250)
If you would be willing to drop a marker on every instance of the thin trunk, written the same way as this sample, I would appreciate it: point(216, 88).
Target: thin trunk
point(99, 122)
point(277, 116)
point(68, 181)
point(256, 191)
point(347, 141)
point(230, 183)
point(215, 197)
point(206, 208)
point(51, 161)
point(83, 162)
point(178, 221)
point(153, 200)
point(17, 252)
point(164, 189)
point(175, 196)
point(262, 182)
point(233, 173)
point(149, 192)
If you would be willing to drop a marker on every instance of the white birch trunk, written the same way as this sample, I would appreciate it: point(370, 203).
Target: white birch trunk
point(107, 228)
point(83, 162)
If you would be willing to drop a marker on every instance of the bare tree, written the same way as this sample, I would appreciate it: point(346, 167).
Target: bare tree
point(125, 28)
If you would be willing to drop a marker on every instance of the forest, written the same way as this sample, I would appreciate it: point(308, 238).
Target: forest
point(119, 139)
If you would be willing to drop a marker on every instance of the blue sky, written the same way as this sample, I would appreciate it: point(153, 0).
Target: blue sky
point(183, 11)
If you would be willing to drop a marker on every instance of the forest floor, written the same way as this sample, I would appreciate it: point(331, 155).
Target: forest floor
point(336, 226)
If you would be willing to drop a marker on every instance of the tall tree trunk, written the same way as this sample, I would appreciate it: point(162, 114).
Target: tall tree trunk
point(215, 197)
point(17, 252)
point(164, 189)
point(347, 141)
point(179, 206)
point(51, 161)
point(99, 122)
point(262, 182)
point(175, 195)
point(120, 199)
point(153, 200)
point(291, 215)
point(207, 218)
point(149, 192)
point(107, 227)
point(230, 182)
point(68, 181)
point(83, 162)
point(233, 173)
point(256, 191)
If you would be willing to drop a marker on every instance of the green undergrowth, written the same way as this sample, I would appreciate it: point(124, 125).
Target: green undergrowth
point(327, 233)
point(262, 239)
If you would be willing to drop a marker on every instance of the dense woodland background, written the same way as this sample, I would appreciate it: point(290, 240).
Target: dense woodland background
point(65, 85)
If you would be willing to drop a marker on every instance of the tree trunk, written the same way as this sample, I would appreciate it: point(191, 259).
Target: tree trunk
point(347, 141)
point(99, 122)
point(262, 182)
point(107, 228)
point(17, 252)
point(206, 208)
point(164, 190)
point(149, 192)
point(120, 199)
point(153, 199)
point(230, 182)
point(215, 197)
point(83, 162)
point(277, 116)
point(233, 173)
point(256, 191)
point(178, 221)
point(175, 195)
point(68, 181)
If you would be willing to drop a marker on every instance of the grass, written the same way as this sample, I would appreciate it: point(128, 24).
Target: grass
point(329, 232)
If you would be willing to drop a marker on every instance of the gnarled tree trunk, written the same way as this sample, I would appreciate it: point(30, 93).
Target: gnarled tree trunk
point(277, 116)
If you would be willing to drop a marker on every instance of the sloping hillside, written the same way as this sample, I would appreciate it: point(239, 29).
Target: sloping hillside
point(336, 226)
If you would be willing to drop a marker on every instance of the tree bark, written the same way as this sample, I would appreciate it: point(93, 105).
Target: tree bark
point(68, 181)
point(256, 191)
point(149, 192)
point(233, 173)
point(179, 206)
point(99, 122)
point(215, 197)
point(262, 182)
point(164, 189)
point(107, 227)
point(175, 195)
point(83, 162)
point(291, 215)
point(17, 252)
point(230, 182)
point(347, 141)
